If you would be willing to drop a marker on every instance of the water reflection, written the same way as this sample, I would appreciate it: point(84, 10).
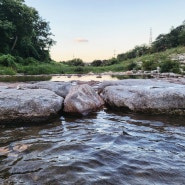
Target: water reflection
point(103, 148)
point(99, 78)
point(68, 78)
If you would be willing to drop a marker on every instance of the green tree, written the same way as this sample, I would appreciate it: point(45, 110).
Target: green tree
point(75, 62)
point(136, 52)
point(22, 31)
point(174, 38)
point(181, 38)
point(6, 34)
point(96, 63)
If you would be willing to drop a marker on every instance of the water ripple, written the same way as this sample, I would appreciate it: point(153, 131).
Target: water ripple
point(104, 148)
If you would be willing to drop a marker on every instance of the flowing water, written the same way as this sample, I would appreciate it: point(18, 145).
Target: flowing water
point(101, 149)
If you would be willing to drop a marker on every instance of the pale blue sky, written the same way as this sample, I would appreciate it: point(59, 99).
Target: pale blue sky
point(93, 29)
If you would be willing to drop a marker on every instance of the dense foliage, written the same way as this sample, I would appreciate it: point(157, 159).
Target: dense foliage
point(75, 62)
point(109, 62)
point(176, 37)
point(136, 52)
point(170, 66)
point(23, 32)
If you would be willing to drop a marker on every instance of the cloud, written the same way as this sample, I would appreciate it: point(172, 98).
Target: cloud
point(80, 40)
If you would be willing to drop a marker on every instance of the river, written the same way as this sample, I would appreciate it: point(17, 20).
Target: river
point(104, 148)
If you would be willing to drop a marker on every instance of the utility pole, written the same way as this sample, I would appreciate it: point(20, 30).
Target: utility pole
point(114, 53)
point(150, 38)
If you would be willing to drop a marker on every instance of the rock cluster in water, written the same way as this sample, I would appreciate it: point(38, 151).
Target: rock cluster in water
point(82, 99)
point(28, 105)
point(145, 96)
point(40, 101)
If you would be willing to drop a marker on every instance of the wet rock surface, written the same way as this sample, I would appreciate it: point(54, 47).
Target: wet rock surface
point(39, 101)
point(82, 99)
point(145, 96)
point(60, 88)
point(28, 105)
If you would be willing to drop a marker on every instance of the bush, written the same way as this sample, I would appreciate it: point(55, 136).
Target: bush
point(170, 66)
point(183, 68)
point(117, 68)
point(131, 66)
point(96, 63)
point(7, 60)
point(19, 60)
point(149, 65)
point(79, 70)
point(30, 61)
point(111, 61)
point(75, 62)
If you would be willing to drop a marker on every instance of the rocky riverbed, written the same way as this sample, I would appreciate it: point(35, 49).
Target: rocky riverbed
point(21, 102)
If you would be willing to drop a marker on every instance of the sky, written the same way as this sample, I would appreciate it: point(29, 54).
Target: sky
point(102, 29)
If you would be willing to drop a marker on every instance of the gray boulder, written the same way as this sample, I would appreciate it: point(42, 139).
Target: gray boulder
point(30, 105)
point(82, 99)
point(60, 88)
point(157, 97)
point(136, 83)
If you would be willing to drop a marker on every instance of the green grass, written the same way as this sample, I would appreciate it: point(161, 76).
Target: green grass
point(7, 71)
point(24, 78)
point(36, 68)
point(161, 56)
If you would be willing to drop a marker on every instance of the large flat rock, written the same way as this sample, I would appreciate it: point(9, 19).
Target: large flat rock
point(136, 83)
point(29, 105)
point(60, 88)
point(145, 96)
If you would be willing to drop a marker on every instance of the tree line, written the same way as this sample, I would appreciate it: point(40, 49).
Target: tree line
point(176, 37)
point(25, 38)
point(23, 33)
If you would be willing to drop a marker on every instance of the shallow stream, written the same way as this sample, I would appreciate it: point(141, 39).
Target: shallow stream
point(104, 148)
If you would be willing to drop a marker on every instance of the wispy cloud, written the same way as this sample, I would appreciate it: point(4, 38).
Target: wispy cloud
point(81, 40)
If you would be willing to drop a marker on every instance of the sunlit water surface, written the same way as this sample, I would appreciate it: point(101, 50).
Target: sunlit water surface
point(99, 78)
point(104, 148)
point(68, 78)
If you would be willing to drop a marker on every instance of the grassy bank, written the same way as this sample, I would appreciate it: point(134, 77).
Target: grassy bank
point(145, 62)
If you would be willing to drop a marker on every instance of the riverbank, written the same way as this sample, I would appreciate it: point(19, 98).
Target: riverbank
point(90, 79)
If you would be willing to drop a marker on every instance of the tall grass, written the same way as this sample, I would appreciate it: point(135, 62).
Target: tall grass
point(24, 78)
point(7, 71)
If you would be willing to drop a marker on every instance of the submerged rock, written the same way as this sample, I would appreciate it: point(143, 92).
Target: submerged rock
point(145, 96)
point(4, 151)
point(60, 88)
point(30, 105)
point(82, 99)
point(19, 147)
